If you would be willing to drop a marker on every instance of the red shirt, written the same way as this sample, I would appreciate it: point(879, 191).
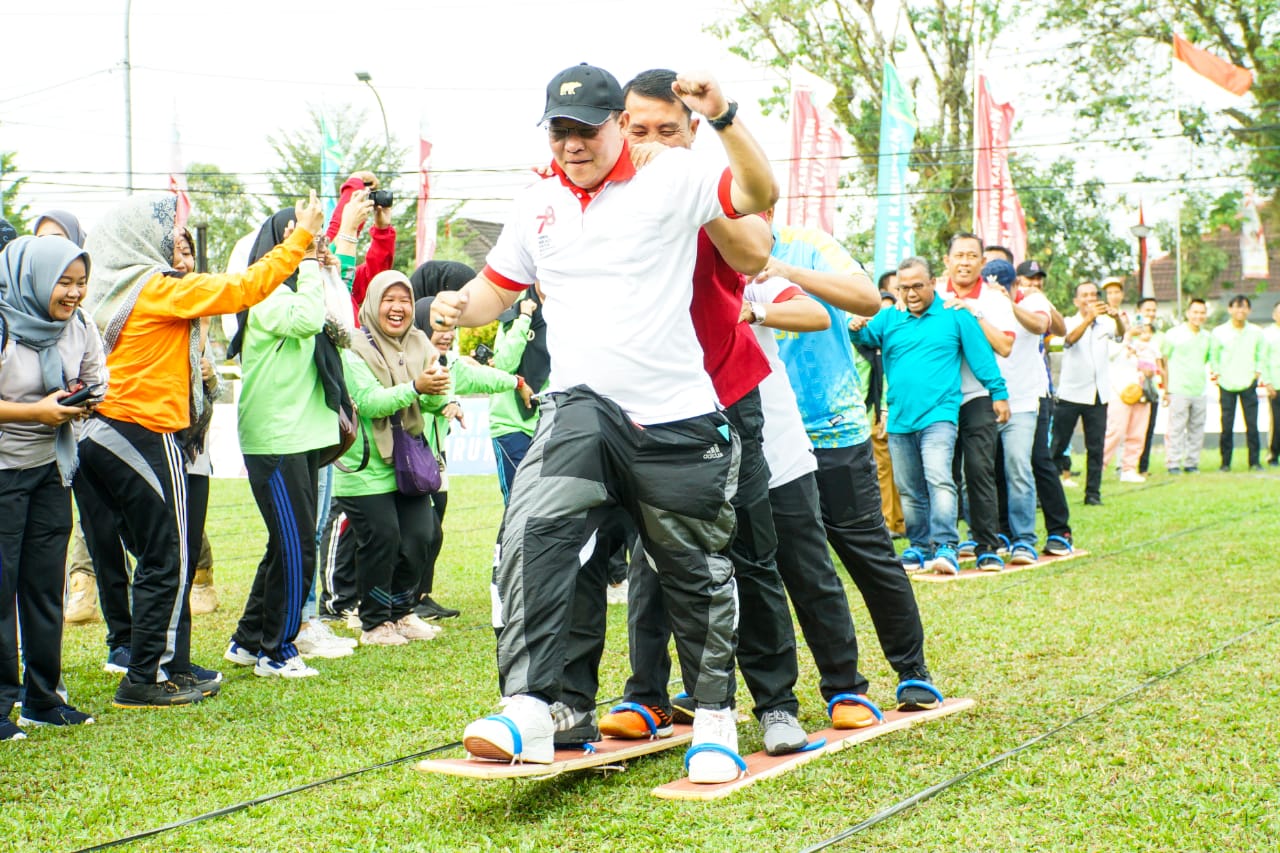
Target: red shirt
point(730, 354)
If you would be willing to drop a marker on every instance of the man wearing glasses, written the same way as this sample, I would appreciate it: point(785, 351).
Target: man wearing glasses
point(630, 409)
point(922, 349)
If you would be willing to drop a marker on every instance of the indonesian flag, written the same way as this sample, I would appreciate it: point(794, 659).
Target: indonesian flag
point(815, 153)
point(426, 234)
point(1000, 221)
point(1233, 78)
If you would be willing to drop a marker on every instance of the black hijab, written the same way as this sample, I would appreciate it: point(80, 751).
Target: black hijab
point(434, 276)
point(327, 359)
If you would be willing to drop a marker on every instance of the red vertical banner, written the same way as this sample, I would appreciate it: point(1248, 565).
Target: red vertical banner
point(816, 149)
point(426, 235)
point(998, 213)
point(177, 180)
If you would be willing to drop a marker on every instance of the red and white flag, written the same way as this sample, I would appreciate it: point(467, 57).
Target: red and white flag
point(426, 234)
point(1146, 287)
point(816, 148)
point(1226, 76)
point(997, 211)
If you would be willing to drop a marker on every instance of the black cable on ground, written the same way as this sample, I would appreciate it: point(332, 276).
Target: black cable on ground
point(298, 789)
point(934, 790)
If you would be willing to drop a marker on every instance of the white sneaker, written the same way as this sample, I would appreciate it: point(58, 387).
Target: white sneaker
point(1068, 483)
point(523, 732)
point(383, 635)
point(353, 620)
point(294, 667)
point(616, 593)
point(412, 627)
point(238, 655)
point(326, 633)
point(1132, 477)
point(719, 728)
point(312, 644)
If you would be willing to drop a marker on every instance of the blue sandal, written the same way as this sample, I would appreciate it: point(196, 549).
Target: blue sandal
point(914, 701)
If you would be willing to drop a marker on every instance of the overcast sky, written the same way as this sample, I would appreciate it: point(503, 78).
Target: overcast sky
point(473, 71)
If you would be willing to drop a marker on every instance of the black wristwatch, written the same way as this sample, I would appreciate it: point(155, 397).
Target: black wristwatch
point(725, 119)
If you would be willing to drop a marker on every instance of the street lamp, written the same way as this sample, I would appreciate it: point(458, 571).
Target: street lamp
point(367, 79)
point(1142, 231)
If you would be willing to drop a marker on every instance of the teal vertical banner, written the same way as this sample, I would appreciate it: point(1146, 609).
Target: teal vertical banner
point(895, 231)
point(331, 156)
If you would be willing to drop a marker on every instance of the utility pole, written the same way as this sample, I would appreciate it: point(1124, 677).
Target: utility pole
point(128, 103)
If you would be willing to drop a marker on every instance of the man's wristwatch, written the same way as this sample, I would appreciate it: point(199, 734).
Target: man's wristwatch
point(725, 118)
point(757, 313)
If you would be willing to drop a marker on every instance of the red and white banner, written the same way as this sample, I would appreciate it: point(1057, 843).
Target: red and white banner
point(816, 149)
point(1146, 287)
point(426, 234)
point(1253, 243)
point(178, 181)
point(997, 211)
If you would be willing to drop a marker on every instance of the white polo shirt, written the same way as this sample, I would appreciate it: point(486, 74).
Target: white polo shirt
point(997, 311)
point(787, 448)
point(616, 272)
point(1023, 369)
point(1086, 377)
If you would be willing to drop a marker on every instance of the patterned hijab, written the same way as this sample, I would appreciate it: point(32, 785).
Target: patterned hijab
point(131, 245)
point(393, 360)
point(29, 269)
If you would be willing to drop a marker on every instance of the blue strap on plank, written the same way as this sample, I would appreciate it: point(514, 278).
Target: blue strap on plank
point(859, 700)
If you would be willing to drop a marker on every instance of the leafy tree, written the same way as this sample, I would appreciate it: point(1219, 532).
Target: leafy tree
point(1068, 230)
point(845, 43)
point(11, 182)
point(1107, 75)
point(367, 149)
point(219, 200)
point(1203, 262)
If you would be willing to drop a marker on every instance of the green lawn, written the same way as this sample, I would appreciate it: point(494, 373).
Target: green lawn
point(1179, 566)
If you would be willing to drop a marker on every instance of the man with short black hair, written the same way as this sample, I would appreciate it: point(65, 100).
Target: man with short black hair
point(923, 348)
point(975, 465)
point(630, 406)
point(1237, 358)
point(1187, 350)
point(1049, 491)
point(1085, 385)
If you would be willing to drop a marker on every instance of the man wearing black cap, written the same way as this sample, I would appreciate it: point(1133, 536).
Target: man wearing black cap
point(630, 409)
point(1049, 492)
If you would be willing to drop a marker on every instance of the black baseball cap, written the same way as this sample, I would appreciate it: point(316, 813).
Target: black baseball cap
point(583, 93)
point(1031, 269)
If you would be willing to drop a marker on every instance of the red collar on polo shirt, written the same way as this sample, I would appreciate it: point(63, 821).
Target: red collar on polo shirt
point(623, 170)
point(974, 292)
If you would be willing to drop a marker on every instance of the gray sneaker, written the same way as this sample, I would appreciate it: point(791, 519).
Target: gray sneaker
point(574, 727)
point(782, 732)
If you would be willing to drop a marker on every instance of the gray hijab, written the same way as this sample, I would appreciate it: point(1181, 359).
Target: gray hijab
point(29, 269)
point(132, 244)
point(66, 221)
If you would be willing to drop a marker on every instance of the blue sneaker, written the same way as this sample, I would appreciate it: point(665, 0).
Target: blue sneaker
point(945, 561)
point(63, 715)
point(118, 660)
point(913, 559)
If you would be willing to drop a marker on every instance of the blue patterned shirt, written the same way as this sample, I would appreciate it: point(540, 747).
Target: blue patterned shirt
point(820, 365)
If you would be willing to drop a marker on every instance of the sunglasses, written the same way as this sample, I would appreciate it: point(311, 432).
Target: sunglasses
point(560, 134)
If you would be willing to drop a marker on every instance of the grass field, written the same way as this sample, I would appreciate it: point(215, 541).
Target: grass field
point(1179, 567)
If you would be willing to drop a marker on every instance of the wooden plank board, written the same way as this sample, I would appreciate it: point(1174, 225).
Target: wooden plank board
point(761, 765)
point(607, 751)
point(969, 572)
